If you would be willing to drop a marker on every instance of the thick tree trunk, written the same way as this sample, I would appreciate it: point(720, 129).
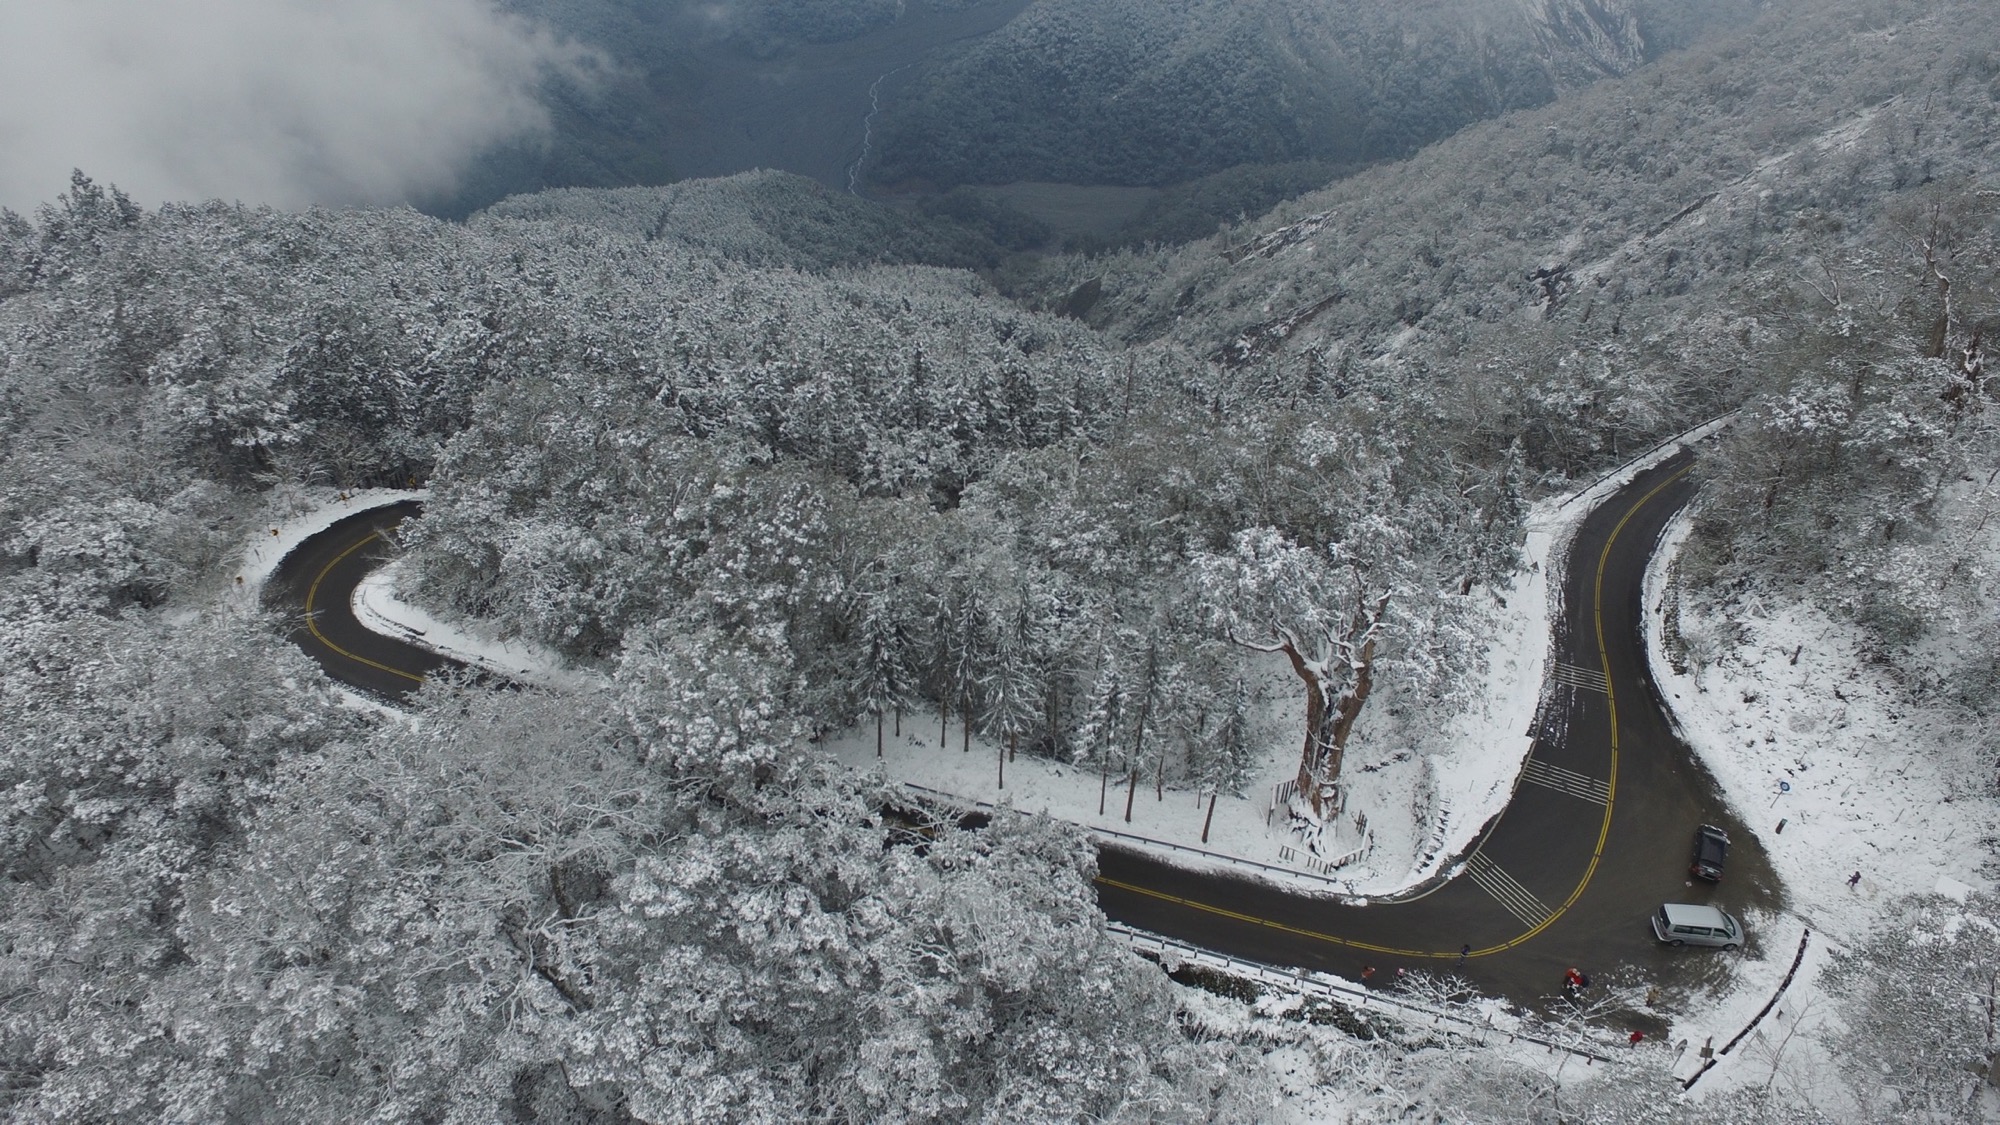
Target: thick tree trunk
point(1320, 755)
point(1330, 710)
point(1348, 710)
point(1317, 734)
point(878, 734)
point(1328, 726)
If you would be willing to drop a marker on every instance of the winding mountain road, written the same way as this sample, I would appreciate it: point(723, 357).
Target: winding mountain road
point(314, 587)
point(1595, 837)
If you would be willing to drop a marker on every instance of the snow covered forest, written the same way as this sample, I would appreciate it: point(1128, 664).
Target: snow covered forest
point(776, 463)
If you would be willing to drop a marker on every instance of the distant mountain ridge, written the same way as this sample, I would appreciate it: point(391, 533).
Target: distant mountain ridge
point(1156, 92)
point(1127, 92)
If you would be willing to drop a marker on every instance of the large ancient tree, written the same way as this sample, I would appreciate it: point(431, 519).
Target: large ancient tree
point(1327, 614)
point(1335, 658)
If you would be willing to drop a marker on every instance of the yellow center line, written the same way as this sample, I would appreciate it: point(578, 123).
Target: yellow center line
point(312, 593)
point(1603, 832)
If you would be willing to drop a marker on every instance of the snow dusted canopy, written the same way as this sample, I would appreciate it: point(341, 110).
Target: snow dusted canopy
point(775, 493)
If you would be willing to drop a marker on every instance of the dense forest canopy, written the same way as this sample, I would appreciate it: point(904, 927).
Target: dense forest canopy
point(773, 462)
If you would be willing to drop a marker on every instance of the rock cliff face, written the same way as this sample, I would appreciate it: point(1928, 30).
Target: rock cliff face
point(1584, 40)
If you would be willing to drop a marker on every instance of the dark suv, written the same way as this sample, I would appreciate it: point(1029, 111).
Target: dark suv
point(1711, 847)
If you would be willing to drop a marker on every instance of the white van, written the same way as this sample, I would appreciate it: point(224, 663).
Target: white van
point(1681, 924)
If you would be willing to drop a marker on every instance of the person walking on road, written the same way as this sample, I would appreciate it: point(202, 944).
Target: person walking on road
point(1464, 951)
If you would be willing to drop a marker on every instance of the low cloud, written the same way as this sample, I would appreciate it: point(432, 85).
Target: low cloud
point(287, 102)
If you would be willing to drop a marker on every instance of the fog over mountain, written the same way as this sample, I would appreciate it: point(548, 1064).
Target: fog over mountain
point(451, 105)
point(285, 102)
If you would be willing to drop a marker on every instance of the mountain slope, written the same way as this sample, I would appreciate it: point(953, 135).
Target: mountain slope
point(1693, 189)
point(1146, 92)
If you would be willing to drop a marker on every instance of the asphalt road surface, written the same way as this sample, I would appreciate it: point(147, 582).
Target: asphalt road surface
point(1596, 836)
point(314, 587)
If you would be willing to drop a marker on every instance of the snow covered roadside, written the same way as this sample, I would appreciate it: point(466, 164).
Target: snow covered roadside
point(291, 517)
point(1169, 825)
point(1480, 751)
point(1470, 770)
point(378, 606)
point(1799, 728)
point(1796, 725)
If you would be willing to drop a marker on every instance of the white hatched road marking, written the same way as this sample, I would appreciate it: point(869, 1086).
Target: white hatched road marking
point(1589, 679)
point(1506, 891)
point(1537, 772)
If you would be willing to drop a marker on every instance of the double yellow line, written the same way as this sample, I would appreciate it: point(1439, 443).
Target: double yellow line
point(312, 617)
point(1603, 832)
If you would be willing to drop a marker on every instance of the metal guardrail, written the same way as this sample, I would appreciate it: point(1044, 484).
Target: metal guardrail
point(1321, 984)
point(1342, 991)
point(1708, 1063)
point(1720, 422)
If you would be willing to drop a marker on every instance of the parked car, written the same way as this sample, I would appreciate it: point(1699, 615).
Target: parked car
point(1678, 923)
point(1711, 847)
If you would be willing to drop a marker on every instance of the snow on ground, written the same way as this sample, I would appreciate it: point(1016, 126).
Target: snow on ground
point(1476, 782)
point(1246, 835)
point(1326, 1073)
point(1829, 725)
point(1425, 795)
point(1168, 822)
point(290, 517)
point(1787, 1049)
point(379, 606)
point(1792, 718)
point(1798, 725)
point(1475, 756)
